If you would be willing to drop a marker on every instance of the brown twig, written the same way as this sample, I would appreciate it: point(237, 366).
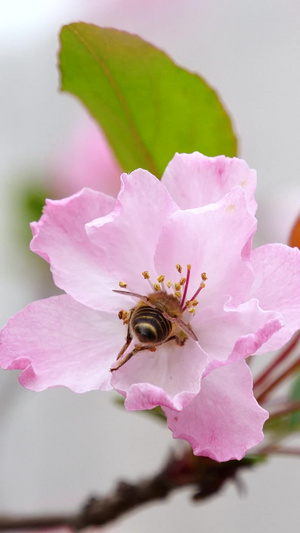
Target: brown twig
point(206, 475)
point(290, 370)
point(277, 361)
point(284, 409)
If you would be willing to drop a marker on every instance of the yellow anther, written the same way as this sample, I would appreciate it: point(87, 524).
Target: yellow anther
point(146, 274)
point(204, 276)
point(161, 278)
point(195, 302)
point(202, 285)
point(188, 303)
point(122, 284)
point(192, 310)
point(157, 287)
point(189, 267)
point(177, 286)
point(182, 281)
point(169, 284)
point(178, 294)
point(179, 268)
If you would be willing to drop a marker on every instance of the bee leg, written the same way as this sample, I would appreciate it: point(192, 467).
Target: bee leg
point(136, 349)
point(180, 340)
point(128, 341)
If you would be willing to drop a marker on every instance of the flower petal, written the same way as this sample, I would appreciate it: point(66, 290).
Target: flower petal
point(60, 238)
point(170, 376)
point(194, 180)
point(236, 332)
point(277, 286)
point(59, 342)
point(213, 239)
point(224, 420)
point(85, 159)
point(130, 233)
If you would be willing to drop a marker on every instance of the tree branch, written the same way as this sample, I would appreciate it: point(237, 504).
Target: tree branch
point(206, 475)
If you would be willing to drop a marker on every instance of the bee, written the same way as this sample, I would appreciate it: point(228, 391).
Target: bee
point(155, 320)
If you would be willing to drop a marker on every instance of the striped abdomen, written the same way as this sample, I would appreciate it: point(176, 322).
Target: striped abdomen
point(149, 325)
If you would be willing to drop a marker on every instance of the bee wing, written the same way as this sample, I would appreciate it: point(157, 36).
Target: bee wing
point(182, 325)
point(187, 329)
point(128, 293)
point(136, 295)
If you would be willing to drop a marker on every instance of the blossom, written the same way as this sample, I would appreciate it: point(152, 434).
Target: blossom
point(85, 160)
point(188, 236)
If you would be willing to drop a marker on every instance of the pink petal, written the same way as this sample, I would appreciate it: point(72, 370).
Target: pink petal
point(214, 239)
point(59, 342)
point(194, 180)
point(86, 160)
point(60, 238)
point(170, 376)
point(130, 233)
point(277, 287)
point(236, 332)
point(224, 420)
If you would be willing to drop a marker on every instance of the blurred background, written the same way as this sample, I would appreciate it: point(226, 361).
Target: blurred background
point(57, 448)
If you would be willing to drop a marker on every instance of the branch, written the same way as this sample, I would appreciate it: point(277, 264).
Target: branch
point(206, 475)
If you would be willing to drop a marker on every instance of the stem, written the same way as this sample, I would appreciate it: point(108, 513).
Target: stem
point(286, 409)
point(281, 357)
point(207, 477)
point(290, 370)
point(275, 449)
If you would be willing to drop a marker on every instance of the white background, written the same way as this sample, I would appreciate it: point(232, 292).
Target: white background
point(56, 448)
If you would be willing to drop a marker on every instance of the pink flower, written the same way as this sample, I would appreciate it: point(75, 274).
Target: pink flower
point(86, 160)
point(202, 215)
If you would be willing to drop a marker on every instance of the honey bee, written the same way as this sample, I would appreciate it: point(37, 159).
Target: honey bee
point(155, 320)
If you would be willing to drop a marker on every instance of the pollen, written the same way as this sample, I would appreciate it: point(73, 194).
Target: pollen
point(180, 289)
point(123, 315)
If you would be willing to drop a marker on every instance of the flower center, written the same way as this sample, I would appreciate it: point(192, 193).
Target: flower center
point(178, 289)
point(157, 317)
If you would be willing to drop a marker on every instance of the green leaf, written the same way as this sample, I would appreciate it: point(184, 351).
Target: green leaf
point(148, 107)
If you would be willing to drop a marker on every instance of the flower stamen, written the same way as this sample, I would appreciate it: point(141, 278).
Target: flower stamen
point(146, 276)
point(160, 286)
point(188, 275)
